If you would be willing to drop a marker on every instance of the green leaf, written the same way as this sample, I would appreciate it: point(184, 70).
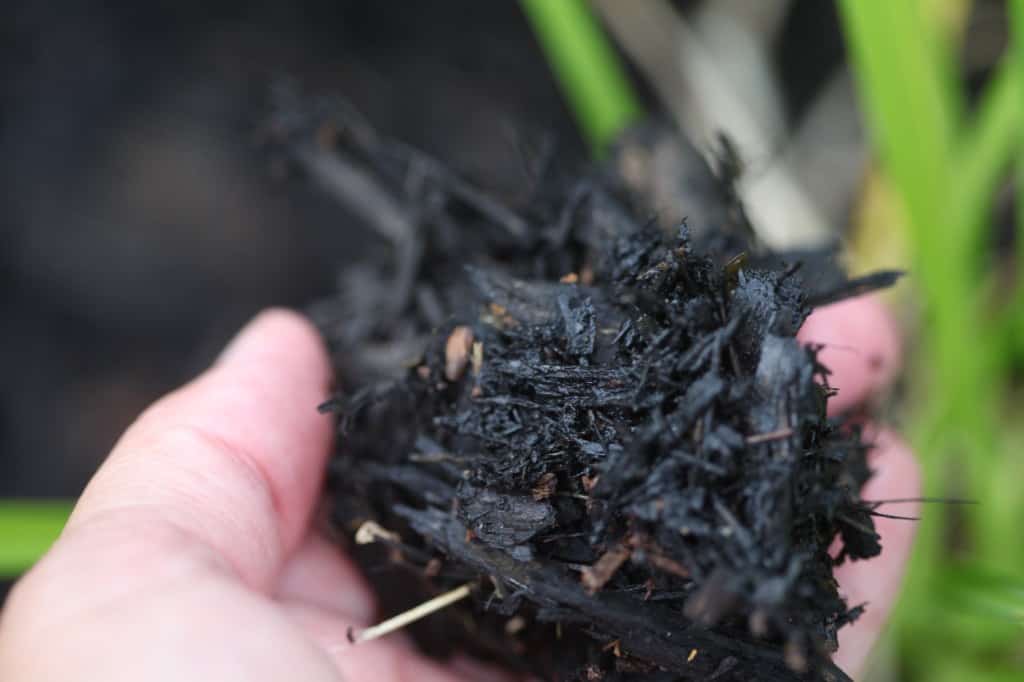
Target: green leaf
point(587, 67)
point(989, 145)
point(945, 170)
point(1017, 61)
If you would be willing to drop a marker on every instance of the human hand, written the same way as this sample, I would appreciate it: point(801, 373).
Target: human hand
point(861, 347)
point(192, 553)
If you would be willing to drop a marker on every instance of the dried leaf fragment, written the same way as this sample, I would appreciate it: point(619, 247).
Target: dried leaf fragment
point(477, 358)
point(456, 352)
point(545, 486)
point(614, 646)
point(595, 577)
point(668, 565)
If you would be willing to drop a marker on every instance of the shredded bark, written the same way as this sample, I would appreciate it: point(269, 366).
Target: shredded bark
point(608, 425)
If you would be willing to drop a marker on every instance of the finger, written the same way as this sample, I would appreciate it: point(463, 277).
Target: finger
point(860, 346)
point(234, 460)
point(319, 575)
point(877, 581)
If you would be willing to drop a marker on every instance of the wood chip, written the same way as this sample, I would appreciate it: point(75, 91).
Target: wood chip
point(770, 436)
point(545, 486)
point(456, 352)
point(795, 658)
point(515, 625)
point(668, 565)
point(477, 357)
point(595, 577)
point(614, 646)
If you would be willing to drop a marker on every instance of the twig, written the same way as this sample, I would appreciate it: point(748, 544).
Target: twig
point(770, 436)
point(412, 615)
point(371, 531)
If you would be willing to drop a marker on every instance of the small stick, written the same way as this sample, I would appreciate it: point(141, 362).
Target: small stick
point(770, 436)
point(412, 615)
point(371, 531)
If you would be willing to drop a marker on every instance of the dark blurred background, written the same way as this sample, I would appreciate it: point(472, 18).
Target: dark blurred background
point(142, 224)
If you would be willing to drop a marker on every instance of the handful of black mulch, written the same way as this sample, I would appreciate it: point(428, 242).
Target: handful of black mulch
point(607, 429)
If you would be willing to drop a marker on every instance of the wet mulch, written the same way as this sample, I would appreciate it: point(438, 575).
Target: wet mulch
point(600, 424)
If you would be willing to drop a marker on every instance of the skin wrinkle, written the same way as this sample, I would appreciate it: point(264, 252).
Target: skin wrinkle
point(319, 575)
point(261, 542)
point(283, 480)
point(166, 569)
point(238, 454)
point(263, 452)
point(274, 457)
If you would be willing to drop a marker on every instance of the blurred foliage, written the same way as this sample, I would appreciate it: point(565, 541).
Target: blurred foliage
point(941, 163)
point(959, 617)
point(587, 68)
point(27, 529)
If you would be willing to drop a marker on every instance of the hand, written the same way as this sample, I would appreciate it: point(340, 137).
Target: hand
point(192, 553)
point(862, 349)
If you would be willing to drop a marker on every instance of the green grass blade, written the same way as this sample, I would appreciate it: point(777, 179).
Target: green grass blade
point(904, 92)
point(1017, 62)
point(587, 68)
point(945, 173)
point(904, 96)
point(990, 143)
point(984, 592)
point(27, 529)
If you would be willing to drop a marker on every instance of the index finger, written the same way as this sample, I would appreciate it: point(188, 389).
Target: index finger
point(860, 345)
